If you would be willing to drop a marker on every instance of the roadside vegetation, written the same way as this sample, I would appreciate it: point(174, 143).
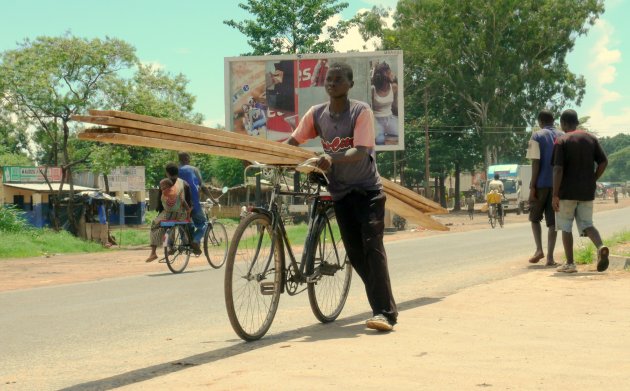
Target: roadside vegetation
point(586, 254)
point(20, 239)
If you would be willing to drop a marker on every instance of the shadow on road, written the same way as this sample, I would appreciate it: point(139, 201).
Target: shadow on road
point(343, 328)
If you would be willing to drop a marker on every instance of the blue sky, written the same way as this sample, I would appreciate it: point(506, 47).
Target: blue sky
point(189, 37)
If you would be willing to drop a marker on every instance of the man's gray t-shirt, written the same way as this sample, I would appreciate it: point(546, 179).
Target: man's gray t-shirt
point(338, 133)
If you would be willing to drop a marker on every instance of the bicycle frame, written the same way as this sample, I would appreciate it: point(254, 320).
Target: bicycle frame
point(319, 205)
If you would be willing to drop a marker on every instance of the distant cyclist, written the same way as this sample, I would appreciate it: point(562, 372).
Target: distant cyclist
point(496, 186)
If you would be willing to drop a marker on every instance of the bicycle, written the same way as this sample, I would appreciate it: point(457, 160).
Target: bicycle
point(215, 237)
point(494, 201)
point(257, 271)
point(178, 241)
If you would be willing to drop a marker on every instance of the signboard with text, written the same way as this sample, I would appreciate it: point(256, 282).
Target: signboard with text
point(25, 174)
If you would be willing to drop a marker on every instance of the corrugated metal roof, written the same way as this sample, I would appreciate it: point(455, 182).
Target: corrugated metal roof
point(43, 187)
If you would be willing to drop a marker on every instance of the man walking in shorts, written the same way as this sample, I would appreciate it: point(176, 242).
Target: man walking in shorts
point(574, 182)
point(539, 150)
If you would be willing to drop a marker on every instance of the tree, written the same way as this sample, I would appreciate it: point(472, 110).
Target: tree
point(502, 61)
point(618, 169)
point(13, 136)
point(49, 79)
point(290, 26)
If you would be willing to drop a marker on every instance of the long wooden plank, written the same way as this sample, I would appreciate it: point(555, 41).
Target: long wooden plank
point(425, 203)
point(196, 128)
point(219, 140)
point(413, 215)
point(124, 139)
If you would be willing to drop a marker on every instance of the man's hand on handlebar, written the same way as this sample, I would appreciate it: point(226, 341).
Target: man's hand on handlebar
point(324, 162)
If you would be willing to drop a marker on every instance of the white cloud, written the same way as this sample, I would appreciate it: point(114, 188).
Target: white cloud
point(212, 123)
point(353, 41)
point(154, 65)
point(604, 71)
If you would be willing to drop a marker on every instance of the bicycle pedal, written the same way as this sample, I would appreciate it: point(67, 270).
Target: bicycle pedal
point(267, 288)
point(328, 269)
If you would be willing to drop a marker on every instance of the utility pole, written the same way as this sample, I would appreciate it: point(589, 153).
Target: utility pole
point(427, 171)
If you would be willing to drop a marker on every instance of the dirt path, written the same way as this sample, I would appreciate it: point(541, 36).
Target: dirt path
point(24, 273)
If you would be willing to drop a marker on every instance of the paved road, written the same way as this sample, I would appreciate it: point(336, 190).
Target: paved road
point(99, 335)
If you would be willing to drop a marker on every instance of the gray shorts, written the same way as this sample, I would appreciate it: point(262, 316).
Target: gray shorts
point(581, 211)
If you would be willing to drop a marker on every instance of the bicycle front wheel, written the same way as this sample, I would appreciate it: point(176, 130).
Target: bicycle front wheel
point(253, 277)
point(215, 244)
point(177, 250)
point(331, 269)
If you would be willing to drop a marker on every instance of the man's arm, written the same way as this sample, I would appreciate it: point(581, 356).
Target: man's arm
point(187, 194)
point(601, 167)
point(532, 184)
point(159, 207)
point(202, 186)
point(557, 180)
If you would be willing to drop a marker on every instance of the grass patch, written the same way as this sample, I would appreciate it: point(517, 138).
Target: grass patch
point(38, 242)
point(585, 254)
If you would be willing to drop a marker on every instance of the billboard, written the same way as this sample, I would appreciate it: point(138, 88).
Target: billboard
point(265, 96)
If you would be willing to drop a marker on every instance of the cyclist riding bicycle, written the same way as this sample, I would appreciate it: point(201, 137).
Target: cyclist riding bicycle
point(495, 194)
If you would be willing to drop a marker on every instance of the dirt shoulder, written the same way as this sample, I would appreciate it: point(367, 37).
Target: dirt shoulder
point(25, 273)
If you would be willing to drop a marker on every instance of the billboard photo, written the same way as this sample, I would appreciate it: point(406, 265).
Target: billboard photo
point(267, 95)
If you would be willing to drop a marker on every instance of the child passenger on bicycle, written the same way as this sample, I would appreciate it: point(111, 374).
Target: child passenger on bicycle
point(346, 128)
point(174, 207)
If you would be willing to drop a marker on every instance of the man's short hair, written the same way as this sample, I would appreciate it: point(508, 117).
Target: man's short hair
point(172, 169)
point(570, 118)
point(496, 176)
point(183, 157)
point(545, 117)
point(343, 67)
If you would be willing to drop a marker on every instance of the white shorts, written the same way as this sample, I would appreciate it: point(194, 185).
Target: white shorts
point(581, 211)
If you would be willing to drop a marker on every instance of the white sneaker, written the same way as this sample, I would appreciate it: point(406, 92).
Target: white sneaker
point(567, 268)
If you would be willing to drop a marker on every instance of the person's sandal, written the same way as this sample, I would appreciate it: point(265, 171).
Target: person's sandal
point(536, 258)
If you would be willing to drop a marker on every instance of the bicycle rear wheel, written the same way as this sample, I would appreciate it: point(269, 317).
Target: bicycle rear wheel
point(177, 250)
point(215, 244)
point(493, 216)
point(327, 295)
point(253, 277)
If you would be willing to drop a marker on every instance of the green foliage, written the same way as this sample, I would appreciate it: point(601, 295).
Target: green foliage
point(12, 220)
point(618, 169)
point(130, 237)
point(44, 242)
point(13, 159)
point(587, 253)
point(489, 66)
point(48, 79)
point(613, 144)
point(290, 26)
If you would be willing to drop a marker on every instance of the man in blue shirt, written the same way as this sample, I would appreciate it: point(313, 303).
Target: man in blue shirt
point(540, 150)
point(192, 176)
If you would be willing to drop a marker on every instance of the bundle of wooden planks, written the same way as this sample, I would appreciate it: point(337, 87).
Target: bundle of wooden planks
point(119, 127)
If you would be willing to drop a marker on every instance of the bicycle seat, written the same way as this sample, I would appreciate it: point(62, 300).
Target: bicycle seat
point(172, 223)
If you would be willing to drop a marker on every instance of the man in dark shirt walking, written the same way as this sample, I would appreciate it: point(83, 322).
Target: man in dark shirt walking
point(575, 155)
